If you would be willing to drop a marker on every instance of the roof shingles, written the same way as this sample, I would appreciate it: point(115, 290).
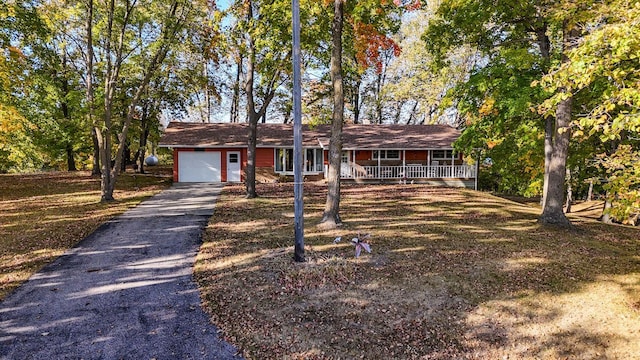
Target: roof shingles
point(213, 135)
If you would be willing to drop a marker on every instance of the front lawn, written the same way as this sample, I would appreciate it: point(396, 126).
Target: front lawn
point(42, 215)
point(453, 274)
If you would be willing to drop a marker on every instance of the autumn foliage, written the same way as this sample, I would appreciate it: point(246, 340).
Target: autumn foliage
point(370, 44)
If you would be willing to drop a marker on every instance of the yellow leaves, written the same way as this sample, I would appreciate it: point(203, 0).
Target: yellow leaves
point(487, 108)
point(11, 121)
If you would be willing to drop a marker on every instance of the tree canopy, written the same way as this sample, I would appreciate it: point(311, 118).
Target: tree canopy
point(547, 92)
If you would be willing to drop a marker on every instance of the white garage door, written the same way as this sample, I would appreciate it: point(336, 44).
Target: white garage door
point(199, 166)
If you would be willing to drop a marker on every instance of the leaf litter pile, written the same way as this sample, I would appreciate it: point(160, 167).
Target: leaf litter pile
point(44, 214)
point(452, 273)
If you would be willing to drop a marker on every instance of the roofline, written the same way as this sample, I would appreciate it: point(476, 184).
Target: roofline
point(201, 146)
point(291, 147)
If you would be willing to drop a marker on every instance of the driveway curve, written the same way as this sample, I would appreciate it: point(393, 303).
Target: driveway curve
point(125, 292)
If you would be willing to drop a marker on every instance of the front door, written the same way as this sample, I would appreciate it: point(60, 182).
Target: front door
point(345, 168)
point(233, 166)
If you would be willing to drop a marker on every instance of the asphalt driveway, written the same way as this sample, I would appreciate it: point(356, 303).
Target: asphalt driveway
point(125, 292)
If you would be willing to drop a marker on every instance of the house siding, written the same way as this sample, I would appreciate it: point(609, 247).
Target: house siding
point(416, 156)
point(265, 157)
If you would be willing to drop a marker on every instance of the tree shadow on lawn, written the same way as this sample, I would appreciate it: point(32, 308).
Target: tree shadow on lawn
point(44, 214)
point(453, 273)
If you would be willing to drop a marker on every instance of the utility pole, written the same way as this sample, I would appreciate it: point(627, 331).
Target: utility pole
point(297, 139)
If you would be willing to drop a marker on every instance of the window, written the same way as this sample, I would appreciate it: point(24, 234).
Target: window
point(233, 158)
point(443, 154)
point(345, 157)
point(284, 160)
point(313, 160)
point(386, 154)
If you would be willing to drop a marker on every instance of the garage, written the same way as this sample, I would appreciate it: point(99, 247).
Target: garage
point(199, 166)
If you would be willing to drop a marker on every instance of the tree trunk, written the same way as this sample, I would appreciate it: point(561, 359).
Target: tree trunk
point(95, 170)
point(549, 124)
point(378, 98)
point(412, 113)
point(207, 91)
point(356, 101)
point(235, 100)
point(331, 216)
point(606, 217)
point(126, 157)
point(142, 145)
point(250, 171)
point(590, 192)
point(552, 212)
point(569, 194)
point(105, 160)
point(71, 161)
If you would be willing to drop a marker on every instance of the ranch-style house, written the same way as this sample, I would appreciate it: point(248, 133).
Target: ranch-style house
point(217, 152)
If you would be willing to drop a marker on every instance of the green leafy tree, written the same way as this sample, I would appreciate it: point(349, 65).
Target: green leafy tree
point(506, 29)
point(134, 38)
point(623, 183)
point(264, 28)
point(19, 23)
point(602, 73)
point(412, 91)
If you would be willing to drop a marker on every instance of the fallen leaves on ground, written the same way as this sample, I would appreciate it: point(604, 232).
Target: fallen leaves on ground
point(453, 273)
point(44, 214)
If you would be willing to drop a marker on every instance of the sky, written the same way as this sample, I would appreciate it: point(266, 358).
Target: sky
point(223, 4)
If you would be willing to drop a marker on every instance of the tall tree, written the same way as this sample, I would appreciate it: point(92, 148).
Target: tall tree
point(267, 54)
point(600, 73)
point(17, 22)
point(89, 91)
point(331, 215)
point(506, 33)
point(120, 38)
point(261, 31)
point(412, 90)
point(555, 172)
point(371, 22)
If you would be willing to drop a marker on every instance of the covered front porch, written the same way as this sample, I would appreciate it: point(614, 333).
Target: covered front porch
point(407, 171)
point(432, 166)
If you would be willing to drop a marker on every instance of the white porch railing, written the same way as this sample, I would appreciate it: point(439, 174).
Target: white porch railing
point(354, 171)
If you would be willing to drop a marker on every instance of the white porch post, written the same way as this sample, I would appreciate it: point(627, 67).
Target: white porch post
point(352, 167)
point(404, 164)
point(453, 165)
point(378, 171)
point(354, 157)
point(428, 174)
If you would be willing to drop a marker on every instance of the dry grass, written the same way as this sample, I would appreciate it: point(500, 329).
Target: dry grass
point(42, 215)
point(453, 274)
